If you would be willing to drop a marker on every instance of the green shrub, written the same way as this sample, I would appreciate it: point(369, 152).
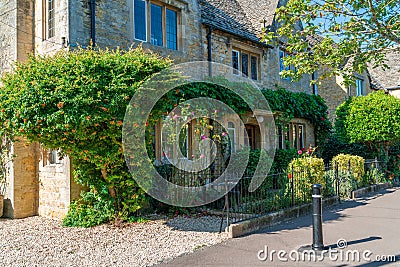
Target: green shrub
point(342, 162)
point(76, 101)
point(347, 183)
point(306, 171)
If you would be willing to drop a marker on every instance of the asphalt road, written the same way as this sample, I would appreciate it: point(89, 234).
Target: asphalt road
point(362, 232)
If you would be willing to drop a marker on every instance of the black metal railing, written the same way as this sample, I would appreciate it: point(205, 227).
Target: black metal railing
point(279, 190)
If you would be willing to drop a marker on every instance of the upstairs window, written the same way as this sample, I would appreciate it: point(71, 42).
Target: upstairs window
point(359, 87)
point(246, 63)
point(155, 23)
point(48, 30)
point(283, 54)
point(314, 86)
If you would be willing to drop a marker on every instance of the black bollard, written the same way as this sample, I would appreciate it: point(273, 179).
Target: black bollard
point(318, 243)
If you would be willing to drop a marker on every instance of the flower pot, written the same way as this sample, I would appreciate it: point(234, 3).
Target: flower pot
point(1, 205)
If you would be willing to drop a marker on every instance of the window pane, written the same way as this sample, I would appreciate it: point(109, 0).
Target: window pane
point(254, 71)
point(301, 137)
point(172, 29)
point(50, 19)
point(359, 87)
point(156, 25)
point(245, 64)
point(140, 19)
point(294, 136)
point(281, 56)
point(235, 61)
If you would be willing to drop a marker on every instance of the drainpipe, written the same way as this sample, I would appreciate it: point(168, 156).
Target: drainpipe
point(93, 22)
point(209, 49)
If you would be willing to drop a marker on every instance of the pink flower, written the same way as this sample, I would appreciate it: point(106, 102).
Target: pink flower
point(307, 152)
point(300, 152)
point(203, 137)
point(175, 117)
point(202, 156)
point(224, 134)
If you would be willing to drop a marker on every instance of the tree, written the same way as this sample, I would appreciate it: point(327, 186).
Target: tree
point(373, 119)
point(343, 35)
point(76, 101)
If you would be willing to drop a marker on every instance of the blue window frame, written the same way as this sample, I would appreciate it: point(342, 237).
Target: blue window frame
point(359, 87)
point(140, 20)
point(172, 29)
point(156, 25)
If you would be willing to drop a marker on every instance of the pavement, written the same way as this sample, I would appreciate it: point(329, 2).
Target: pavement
point(361, 232)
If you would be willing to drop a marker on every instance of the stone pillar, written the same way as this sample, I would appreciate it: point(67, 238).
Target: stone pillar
point(21, 199)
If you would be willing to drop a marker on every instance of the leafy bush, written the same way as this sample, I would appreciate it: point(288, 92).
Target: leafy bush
point(342, 162)
point(347, 183)
point(306, 171)
point(76, 101)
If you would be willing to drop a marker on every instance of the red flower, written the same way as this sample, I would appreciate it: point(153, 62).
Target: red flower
point(290, 176)
point(322, 118)
point(300, 152)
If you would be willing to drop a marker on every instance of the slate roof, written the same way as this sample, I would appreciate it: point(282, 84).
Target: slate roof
point(238, 17)
point(389, 78)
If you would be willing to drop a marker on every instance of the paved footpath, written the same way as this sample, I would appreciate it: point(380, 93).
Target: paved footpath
point(370, 226)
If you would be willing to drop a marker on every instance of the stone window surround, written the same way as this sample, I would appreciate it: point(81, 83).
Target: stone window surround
point(48, 18)
point(286, 137)
point(164, 6)
point(251, 53)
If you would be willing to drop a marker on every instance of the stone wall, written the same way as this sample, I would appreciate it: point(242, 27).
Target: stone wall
point(114, 28)
point(21, 199)
point(334, 92)
point(8, 34)
point(223, 44)
point(56, 187)
point(43, 44)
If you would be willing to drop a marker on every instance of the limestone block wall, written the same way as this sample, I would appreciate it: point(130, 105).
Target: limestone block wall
point(21, 199)
point(114, 27)
point(56, 187)
point(334, 92)
point(223, 44)
point(8, 34)
point(44, 44)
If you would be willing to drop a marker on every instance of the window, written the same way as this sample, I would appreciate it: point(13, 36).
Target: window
point(172, 29)
point(291, 136)
point(48, 19)
point(314, 86)
point(359, 87)
point(235, 62)
point(159, 25)
point(140, 18)
point(283, 54)
point(232, 136)
point(246, 63)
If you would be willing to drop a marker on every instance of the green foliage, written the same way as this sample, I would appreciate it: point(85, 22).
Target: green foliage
point(76, 102)
point(94, 208)
point(334, 146)
point(374, 118)
point(347, 182)
point(342, 162)
point(291, 105)
point(282, 159)
point(306, 172)
point(345, 34)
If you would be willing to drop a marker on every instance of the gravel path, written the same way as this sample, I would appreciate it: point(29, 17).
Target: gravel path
point(38, 241)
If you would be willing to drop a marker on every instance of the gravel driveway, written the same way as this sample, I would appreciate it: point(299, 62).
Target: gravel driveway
point(38, 241)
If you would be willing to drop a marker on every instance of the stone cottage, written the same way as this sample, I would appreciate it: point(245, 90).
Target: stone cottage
point(388, 80)
point(185, 30)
